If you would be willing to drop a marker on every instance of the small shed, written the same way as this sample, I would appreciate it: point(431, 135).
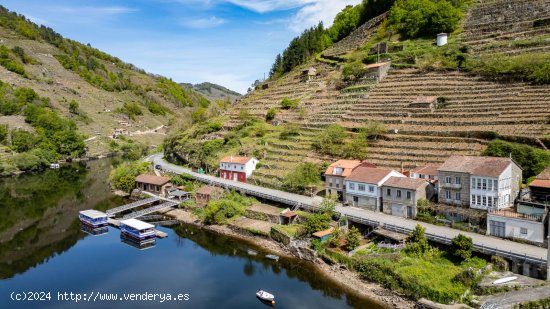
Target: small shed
point(424, 102)
point(177, 194)
point(309, 74)
point(206, 194)
point(323, 235)
point(287, 217)
point(442, 39)
point(378, 71)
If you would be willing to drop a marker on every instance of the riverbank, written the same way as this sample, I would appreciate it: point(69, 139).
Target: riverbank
point(349, 280)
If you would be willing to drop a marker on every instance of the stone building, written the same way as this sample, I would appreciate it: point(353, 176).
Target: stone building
point(364, 186)
point(335, 175)
point(400, 195)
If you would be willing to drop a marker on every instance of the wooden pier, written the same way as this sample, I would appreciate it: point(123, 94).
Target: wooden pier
point(136, 204)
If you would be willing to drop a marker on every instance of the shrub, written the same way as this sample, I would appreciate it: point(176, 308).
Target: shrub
point(27, 162)
point(462, 247)
point(302, 177)
point(4, 131)
point(499, 263)
point(353, 238)
point(288, 103)
point(217, 212)
point(131, 109)
point(330, 140)
point(73, 107)
point(271, 113)
point(156, 109)
point(289, 130)
point(417, 244)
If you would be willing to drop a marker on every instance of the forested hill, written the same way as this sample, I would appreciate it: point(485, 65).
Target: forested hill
point(86, 93)
point(214, 92)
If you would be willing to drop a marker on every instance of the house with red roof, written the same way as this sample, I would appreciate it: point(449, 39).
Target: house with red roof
point(153, 184)
point(237, 168)
point(401, 195)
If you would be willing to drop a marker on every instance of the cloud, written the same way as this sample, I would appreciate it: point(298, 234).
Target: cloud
point(203, 23)
point(320, 10)
point(98, 10)
point(263, 6)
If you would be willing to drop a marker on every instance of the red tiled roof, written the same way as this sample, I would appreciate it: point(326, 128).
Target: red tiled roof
point(377, 65)
point(540, 183)
point(479, 166)
point(236, 160)
point(405, 183)
point(347, 165)
point(429, 169)
point(368, 174)
point(323, 233)
point(152, 179)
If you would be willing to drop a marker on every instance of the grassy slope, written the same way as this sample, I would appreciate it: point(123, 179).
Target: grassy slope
point(50, 79)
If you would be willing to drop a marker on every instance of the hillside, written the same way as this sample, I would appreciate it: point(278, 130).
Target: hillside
point(477, 100)
point(96, 91)
point(214, 92)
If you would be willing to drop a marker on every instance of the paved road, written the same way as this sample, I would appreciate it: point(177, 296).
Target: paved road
point(486, 244)
point(509, 299)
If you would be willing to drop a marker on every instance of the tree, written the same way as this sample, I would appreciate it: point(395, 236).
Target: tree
point(123, 177)
point(73, 107)
point(320, 220)
point(271, 113)
point(353, 239)
point(357, 148)
point(417, 244)
point(334, 241)
point(330, 140)
point(302, 177)
point(462, 247)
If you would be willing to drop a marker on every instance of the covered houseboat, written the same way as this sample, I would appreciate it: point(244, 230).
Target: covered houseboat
point(93, 218)
point(137, 229)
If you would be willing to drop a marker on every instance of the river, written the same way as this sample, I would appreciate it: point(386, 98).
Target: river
point(42, 249)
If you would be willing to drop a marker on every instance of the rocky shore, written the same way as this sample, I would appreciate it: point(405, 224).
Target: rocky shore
point(343, 277)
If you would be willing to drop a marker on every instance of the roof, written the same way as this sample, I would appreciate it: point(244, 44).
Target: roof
point(236, 160)
point(289, 214)
point(540, 183)
point(405, 183)
point(323, 233)
point(94, 214)
point(544, 175)
point(137, 224)
point(478, 166)
point(443, 33)
point(178, 193)
point(425, 99)
point(369, 174)
point(153, 179)
point(207, 190)
point(377, 65)
point(429, 169)
point(347, 165)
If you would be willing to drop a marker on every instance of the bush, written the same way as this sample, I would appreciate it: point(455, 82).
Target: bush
point(330, 140)
point(27, 162)
point(288, 103)
point(499, 263)
point(353, 238)
point(271, 113)
point(462, 247)
point(73, 107)
point(4, 131)
point(289, 130)
point(417, 244)
point(217, 212)
point(156, 109)
point(302, 177)
point(131, 109)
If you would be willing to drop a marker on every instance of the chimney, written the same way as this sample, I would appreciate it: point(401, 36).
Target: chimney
point(231, 159)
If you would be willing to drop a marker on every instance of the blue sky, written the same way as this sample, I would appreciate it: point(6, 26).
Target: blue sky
point(229, 42)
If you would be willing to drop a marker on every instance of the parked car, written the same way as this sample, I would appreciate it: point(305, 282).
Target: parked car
point(158, 167)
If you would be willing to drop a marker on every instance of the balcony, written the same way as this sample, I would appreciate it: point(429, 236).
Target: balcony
point(452, 202)
point(452, 186)
point(516, 215)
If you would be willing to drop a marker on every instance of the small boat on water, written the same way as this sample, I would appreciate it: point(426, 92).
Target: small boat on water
point(504, 280)
point(137, 229)
point(93, 218)
point(265, 296)
point(272, 257)
point(252, 252)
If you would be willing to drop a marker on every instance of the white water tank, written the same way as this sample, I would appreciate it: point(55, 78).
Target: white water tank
point(442, 39)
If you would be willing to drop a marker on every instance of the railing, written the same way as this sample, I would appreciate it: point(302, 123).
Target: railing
point(149, 210)
point(517, 215)
point(113, 211)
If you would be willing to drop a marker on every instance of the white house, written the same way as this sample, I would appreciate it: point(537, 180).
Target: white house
point(237, 168)
point(364, 186)
point(510, 224)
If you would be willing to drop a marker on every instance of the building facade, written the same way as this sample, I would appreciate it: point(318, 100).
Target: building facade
point(401, 195)
point(517, 226)
point(237, 168)
point(479, 182)
point(364, 187)
point(335, 175)
point(153, 184)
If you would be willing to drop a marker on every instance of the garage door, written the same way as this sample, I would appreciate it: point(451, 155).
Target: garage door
point(397, 210)
point(497, 228)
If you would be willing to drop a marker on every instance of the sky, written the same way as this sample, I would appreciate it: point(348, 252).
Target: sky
point(227, 42)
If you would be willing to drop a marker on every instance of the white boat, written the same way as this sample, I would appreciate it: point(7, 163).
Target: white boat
point(504, 280)
point(263, 295)
point(272, 257)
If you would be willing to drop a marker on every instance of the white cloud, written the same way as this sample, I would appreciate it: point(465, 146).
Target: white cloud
point(320, 10)
point(203, 23)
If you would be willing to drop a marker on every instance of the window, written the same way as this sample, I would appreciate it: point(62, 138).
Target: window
point(330, 183)
point(473, 183)
point(495, 185)
point(523, 231)
point(420, 176)
point(409, 195)
point(356, 199)
point(448, 194)
point(457, 196)
point(351, 186)
point(484, 200)
point(478, 183)
point(361, 187)
point(337, 185)
point(490, 185)
point(484, 186)
point(388, 192)
point(472, 199)
point(371, 189)
point(457, 180)
point(478, 197)
point(489, 200)
point(242, 167)
point(448, 179)
point(398, 194)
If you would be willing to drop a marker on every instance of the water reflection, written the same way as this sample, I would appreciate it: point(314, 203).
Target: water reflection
point(39, 212)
